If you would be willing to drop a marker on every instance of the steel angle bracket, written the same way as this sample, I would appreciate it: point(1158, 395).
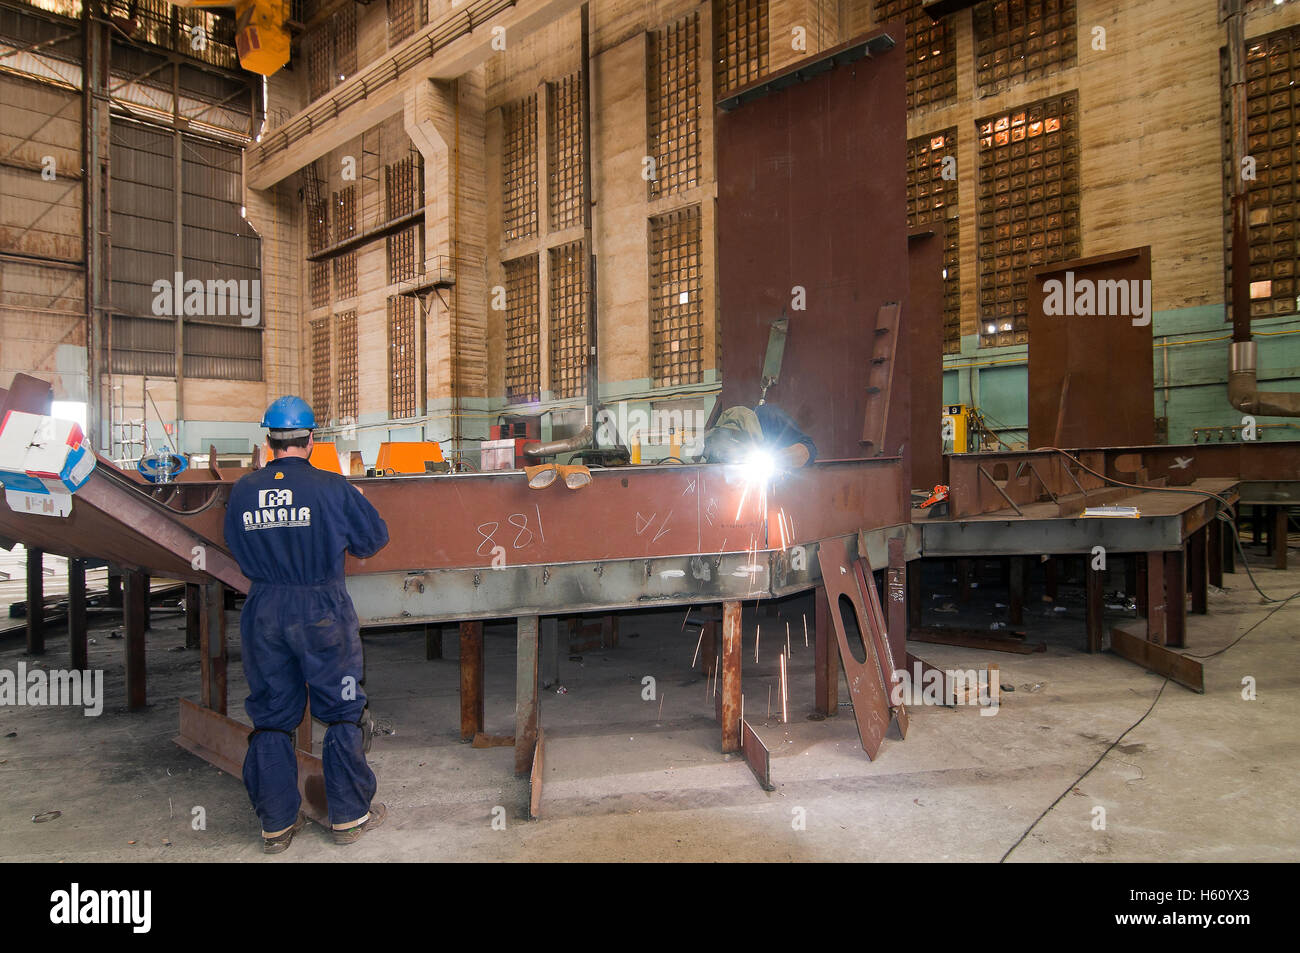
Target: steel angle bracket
point(880, 635)
point(867, 688)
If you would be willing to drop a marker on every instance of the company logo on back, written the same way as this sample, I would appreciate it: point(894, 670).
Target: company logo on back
point(275, 509)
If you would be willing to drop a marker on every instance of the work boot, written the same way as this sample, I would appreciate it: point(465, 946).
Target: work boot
point(351, 835)
point(280, 842)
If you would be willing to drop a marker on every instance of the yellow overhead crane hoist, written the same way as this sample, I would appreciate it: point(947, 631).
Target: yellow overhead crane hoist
point(261, 36)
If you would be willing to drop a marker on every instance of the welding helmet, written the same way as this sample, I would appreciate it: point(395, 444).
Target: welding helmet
point(289, 417)
point(736, 433)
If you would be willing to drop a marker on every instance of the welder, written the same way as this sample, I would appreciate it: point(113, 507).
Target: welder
point(289, 525)
point(742, 434)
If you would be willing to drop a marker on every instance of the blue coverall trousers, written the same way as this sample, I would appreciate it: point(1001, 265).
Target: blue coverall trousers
point(296, 639)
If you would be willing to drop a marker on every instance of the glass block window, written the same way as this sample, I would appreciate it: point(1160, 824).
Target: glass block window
point(344, 28)
point(564, 152)
point(345, 213)
point(673, 106)
point(320, 66)
point(347, 364)
point(405, 18)
point(402, 255)
point(676, 305)
point(319, 279)
point(932, 201)
point(318, 226)
point(402, 362)
point(1272, 136)
point(523, 330)
point(345, 275)
point(1017, 40)
point(331, 52)
point(1028, 208)
point(739, 43)
point(404, 186)
point(931, 52)
point(519, 169)
point(568, 321)
point(320, 368)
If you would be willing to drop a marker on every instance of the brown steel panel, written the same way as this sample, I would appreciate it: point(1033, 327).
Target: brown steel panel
point(527, 701)
point(1281, 515)
point(640, 512)
point(222, 742)
point(812, 193)
point(756, 756)
point(922, 328)
point(192, 614)
point(28, 394)
point(879, 632)
point(471, 680)
point(535, 776)
point(919, 668)
point(1106, 359)
point(866, 688)
point(35, 624)
point(1214, 553)
point(730, 697)
point(896, 589)
point(1183, 669)
point(975, 639)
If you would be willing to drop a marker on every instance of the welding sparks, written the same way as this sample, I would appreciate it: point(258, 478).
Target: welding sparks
point(698, 643)
point(805, 630)
point(758, 630)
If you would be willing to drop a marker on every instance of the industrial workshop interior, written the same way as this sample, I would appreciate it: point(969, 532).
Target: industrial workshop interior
point(650, 430)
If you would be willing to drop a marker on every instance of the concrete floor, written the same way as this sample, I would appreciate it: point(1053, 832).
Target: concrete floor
point(1205, 777)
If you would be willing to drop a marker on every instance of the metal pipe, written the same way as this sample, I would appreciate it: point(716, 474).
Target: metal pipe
point(1243, 386)
point(589, 269)
point(568, 445)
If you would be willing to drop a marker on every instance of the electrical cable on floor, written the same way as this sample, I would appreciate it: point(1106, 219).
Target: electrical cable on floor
point(1281, 604)
point(1074, 783)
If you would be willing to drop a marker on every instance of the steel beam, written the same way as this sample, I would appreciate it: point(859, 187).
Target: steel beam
point(1156, 598)
point(731, 664)
point(78, 655)
point(1281, 519)
point(1095, 584)
point(212, 646)
point(193, 614)
point(1214, 553)
point(136, 598)
point(756, 755)
point(471, 679)
point(1175, 599)
point(1186, 671)
point(826, 664)
point(527, 701)
point(36, 600)
point(1197, 570)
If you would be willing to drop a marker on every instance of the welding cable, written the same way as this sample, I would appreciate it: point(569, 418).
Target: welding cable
point(1075, 782)
point(1281, 604)
point(1236, 538)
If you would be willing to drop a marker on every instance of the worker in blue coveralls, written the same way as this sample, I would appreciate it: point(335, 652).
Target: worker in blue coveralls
point(739, 432)
point(288, 525)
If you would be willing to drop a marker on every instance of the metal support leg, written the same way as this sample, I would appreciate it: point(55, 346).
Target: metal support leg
point(1214, 553)
point(965, 569)
point(1143, 586)
point(193, 614)
point(35, 602)
point(1256, 524)
point(1230, 538)
point(1095, 583)
point(471, 680)
point(896, 592)
point(1050, 578)
point(1175, 598)
point(1016, 609)
point(114, 588)
point(550, 652)
point(432, 641)
point(914, 595)
point(212, 646)
point(527, 701)
point(826, 664)
point(1197, 570)
point(135, 599)
point(1155, 573)
point(1281, 517)
point(77, 615)
point(731, 642)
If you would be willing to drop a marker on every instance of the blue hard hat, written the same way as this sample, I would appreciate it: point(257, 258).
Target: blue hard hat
point(289, 413)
